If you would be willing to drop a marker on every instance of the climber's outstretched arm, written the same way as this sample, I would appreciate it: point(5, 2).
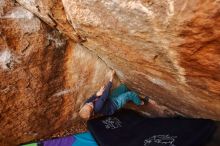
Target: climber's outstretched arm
point(100, 102)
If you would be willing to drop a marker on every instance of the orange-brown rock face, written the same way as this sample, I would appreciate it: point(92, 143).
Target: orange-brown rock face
point(168, 50)
point(44, 77)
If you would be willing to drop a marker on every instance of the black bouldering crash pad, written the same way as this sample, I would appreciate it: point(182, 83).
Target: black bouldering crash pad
point(129, 128)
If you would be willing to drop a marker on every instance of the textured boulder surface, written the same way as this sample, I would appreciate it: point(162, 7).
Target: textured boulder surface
point(168, 50)
point(51, 61)
point(44, 77)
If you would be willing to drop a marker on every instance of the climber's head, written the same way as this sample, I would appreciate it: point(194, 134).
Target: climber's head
point(86, 111)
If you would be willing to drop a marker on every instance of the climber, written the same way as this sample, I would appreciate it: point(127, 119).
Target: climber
point(107, 103)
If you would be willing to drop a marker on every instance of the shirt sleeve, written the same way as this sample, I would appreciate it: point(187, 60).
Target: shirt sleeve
point(91, 99)
point(100, 102)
